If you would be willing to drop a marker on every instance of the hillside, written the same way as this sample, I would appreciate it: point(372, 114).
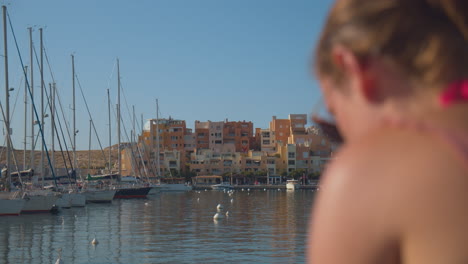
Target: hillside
point(99, 159)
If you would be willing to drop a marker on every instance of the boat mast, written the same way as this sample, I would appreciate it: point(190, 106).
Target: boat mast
point(7, 94)
point(118, 121)
point(133, 144)
point(74, 116)
point(89, 148)
point(31, 81)
point(158, 167)
point(42, 106)
point(25, 117)
point(110, 135)
point(52, 120)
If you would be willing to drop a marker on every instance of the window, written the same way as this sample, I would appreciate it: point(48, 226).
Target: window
point(266, 142)
point(291, 162)
point(244, 142)
point(291, 155)
point(271, 161)
point(305, 154)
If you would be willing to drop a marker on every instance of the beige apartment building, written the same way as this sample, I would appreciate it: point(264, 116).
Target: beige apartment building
point(227, 147)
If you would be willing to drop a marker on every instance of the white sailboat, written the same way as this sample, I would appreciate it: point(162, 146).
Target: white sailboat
point(96, 193)
point(36, 200)
point(11, 203)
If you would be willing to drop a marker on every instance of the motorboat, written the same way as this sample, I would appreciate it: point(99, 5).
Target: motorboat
point(292, 185)
point(222, 186)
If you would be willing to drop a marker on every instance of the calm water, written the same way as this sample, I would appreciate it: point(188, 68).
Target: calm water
point(262, 227)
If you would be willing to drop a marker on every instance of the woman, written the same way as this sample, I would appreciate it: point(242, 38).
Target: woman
point(394, 73)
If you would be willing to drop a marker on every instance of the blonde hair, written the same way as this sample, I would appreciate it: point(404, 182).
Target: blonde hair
point(426, 39)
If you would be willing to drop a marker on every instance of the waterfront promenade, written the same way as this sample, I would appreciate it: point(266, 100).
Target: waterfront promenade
point(261, 187)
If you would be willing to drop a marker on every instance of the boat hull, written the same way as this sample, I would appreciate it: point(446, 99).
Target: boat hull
point(64, 201)
point(292, 186)
point(154, 190)
point(39, 203)
point(11, 206)
point(99, 196)
point(77, 199)
point(132, 193)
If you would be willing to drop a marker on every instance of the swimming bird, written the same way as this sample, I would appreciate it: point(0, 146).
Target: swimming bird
point(59, 260)
point(227, 213)
point(95, 241)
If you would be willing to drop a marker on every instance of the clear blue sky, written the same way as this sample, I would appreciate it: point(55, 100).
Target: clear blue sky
point(203, 59)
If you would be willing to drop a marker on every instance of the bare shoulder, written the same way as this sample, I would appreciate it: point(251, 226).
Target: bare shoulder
point(379, 188)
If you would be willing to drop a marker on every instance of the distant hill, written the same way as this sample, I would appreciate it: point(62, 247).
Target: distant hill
point(99, 159)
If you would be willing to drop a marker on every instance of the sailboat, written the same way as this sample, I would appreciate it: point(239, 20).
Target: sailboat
point(37, 200)
point(126, 189)
point(96, 193)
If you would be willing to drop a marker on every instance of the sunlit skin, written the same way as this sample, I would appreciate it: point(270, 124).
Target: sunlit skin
point(393, 194)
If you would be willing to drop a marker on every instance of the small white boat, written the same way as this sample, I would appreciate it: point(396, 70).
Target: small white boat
point(222, 186)
point(292, 185)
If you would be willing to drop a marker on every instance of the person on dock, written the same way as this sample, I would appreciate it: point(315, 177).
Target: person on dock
point(394, 74)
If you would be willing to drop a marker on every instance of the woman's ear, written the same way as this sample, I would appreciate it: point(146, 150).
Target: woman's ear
point(357, 72)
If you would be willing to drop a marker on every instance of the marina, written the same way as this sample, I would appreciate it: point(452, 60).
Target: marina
point(171, 227)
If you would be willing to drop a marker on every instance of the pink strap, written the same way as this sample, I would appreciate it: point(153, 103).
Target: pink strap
point(456, 92)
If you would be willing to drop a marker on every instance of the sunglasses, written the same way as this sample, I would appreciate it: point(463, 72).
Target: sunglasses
point(326, 123)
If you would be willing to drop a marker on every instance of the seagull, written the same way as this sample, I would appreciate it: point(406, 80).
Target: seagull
point(95, 241)
point(59, 260)
point(218, 216)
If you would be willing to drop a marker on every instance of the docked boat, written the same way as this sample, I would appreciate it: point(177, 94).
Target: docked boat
point(222, 186)
point(130, 192)
point(64, 201)
point(99, 196)
point(11, 203)
point(77, 199)
point(292, 185)
point(39, 201)
point(11, 206)
point(155, 189)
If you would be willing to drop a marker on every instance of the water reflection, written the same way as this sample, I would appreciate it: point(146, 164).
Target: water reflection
point(263, 226)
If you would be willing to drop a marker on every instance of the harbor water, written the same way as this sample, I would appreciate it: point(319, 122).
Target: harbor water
point(261, 227)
